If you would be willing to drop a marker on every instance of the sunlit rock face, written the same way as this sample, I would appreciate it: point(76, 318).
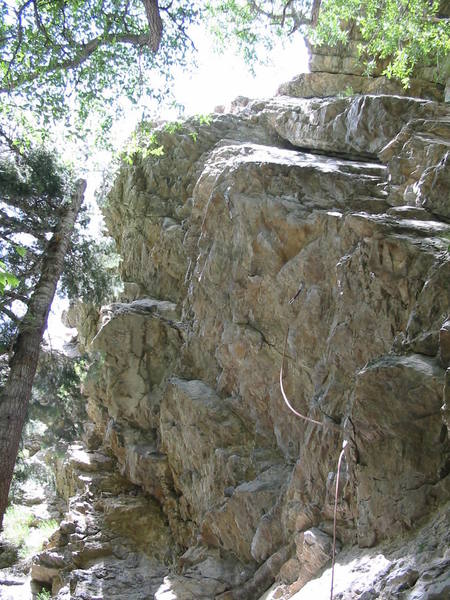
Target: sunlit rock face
point(314, 229)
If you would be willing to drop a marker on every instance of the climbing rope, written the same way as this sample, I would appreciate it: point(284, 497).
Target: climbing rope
point(341, 456)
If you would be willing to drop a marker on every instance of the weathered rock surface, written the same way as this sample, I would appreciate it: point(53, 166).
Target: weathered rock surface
point(418, 160)
point(298, 224)
point(323, 84)
point(342, 69)
point(103, 548)
point(411, 568)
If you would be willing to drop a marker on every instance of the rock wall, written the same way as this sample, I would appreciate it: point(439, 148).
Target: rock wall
point(339, 69)
point(312, 233)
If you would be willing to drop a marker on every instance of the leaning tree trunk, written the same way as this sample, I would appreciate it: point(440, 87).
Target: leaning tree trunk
point(16, 393)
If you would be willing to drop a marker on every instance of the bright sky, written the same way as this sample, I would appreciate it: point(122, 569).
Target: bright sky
point(220, 78)
point(217, 81)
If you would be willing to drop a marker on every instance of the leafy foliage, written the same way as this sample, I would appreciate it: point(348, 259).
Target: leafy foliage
point(7, 279)
point(90, 269)
point(77, 57)
point(57, 383)
point(17, 524)
point(254, 26)
point(401, 33)
point(148, 139)
point(35, 188)
point(89, 49)
point(21, 530)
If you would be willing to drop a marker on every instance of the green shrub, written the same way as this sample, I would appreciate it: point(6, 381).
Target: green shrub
point(20, 532)
point(17, 524)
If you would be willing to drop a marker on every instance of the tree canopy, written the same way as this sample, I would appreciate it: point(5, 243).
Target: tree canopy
point(55, 51)
point(35, 190)
point(62, 57)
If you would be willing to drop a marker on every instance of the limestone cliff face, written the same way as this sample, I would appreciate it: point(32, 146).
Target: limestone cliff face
point(311, 229)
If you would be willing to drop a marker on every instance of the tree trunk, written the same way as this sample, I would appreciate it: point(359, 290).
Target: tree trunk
point(15, 395)
point(155, 24)
point(315, 12)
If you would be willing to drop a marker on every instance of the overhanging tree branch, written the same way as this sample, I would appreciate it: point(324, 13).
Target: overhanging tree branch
point(19, 14)
point(315, 12)
point(5, 310)
point(84, 53)
point(289, 10)
point(151, 38)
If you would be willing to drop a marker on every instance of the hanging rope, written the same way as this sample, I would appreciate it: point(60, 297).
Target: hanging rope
point(288, 404)
point(341, 455)
point(336, 493)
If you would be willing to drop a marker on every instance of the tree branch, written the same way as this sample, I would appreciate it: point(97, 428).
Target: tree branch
point(152, 39)
point(84, 53)
point(10, 143)
point(299, 18)
point(39, 23)
point(12, 295)
point(9, 314)
point(283, 16)
point(11, 224)
point(179, 26)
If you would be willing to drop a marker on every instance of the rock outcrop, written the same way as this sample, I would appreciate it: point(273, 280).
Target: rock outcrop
point(310, 232)
point(341, 69)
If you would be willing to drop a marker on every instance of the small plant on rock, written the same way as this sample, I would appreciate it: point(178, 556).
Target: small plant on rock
point(204, 119)
point(173, 126)
point(36, 537)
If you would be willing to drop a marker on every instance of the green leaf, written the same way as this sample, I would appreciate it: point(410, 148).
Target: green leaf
point(204, 119)
point(11, 280)
point(7, 280)
point(156, 151)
